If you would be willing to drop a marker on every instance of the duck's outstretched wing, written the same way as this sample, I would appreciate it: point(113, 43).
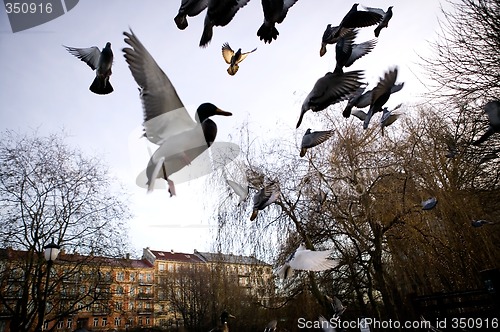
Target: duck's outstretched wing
point(164, 113)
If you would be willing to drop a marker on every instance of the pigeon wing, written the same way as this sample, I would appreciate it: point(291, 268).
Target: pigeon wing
point(88, 55)
point(227, 53)
point(312, 260)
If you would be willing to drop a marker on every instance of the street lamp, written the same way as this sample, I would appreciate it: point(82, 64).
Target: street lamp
point(50, 253)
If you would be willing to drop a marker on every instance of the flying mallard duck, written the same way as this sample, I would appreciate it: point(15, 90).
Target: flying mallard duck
point(274, 12)
point(167, 122)
point(219, 13)
point(189, 8)
point(101, 62)
point(233, 59)
point(307, 260)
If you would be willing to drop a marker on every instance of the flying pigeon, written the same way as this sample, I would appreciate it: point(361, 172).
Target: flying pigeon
point(311, 139)
point(492, 109)
point(219, 13)
point(381, 94)
point(337, 306)
point(240, 190)
point(189, 8)
point(481, 222)
point(347, 52)
point(274, 12)
point(361, 100)
point(386, 17)
point(331, 35)
point(330, 89)
point(358, 19)
point(271, 326)
point(429, 203)
point(388, 117)
point(101, 62)
point(308, 260)
point(265, 197)
point(233, 59)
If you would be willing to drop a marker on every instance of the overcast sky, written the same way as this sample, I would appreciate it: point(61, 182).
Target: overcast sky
point(44, 87)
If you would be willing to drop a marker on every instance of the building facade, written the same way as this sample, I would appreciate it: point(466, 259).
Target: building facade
point(162, 289)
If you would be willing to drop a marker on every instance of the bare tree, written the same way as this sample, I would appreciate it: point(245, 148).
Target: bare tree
point(51, 191)
point(465, 65)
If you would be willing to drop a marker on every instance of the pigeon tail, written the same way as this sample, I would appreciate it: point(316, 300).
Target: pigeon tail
point(181, 21)
point(377, 31)
point(254, 214)
point(233, 69)
point(267, 33)
point(206, 36)
point(101, 86)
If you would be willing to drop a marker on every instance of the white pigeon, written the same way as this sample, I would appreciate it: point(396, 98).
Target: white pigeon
point(307, 260)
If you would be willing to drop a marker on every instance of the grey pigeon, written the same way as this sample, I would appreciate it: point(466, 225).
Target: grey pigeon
point(346, 52)
point(271, 326)
point(388, 117)
point(331, 35)
point(330, 89)
point(232, 58)
point(492, 109)
point(307, 260)
point(189, 8)
point(381, 94)
point(311, 139)
point(337, 306)
point(386, 17)
point(361, 100)
point(101, 62)
point(481, 222)
point(429, 204)
point(358, 19)
point(274, 12)
point(219, 13)
point(265, 197)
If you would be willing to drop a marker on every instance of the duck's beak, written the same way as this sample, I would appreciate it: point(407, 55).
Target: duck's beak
point(221, 112)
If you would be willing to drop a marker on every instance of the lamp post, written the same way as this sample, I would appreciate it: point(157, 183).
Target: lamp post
point(50, 253)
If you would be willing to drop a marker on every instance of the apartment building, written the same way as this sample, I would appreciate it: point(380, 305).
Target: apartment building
point(103, 293)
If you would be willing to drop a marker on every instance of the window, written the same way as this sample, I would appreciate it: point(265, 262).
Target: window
point(119, 290)
point(140, 320)
point(140, 277)
point(45, 325)
point(117, 321)
point(161, 267)
point(118, 306)
point(96, 322)
point(120, 276)
point(147, 320)
point(60, 324)
point(131, 305)
point(149, 277)
point(104, 321)
point(69, 323)
point(132, 290)
point(132, 276)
